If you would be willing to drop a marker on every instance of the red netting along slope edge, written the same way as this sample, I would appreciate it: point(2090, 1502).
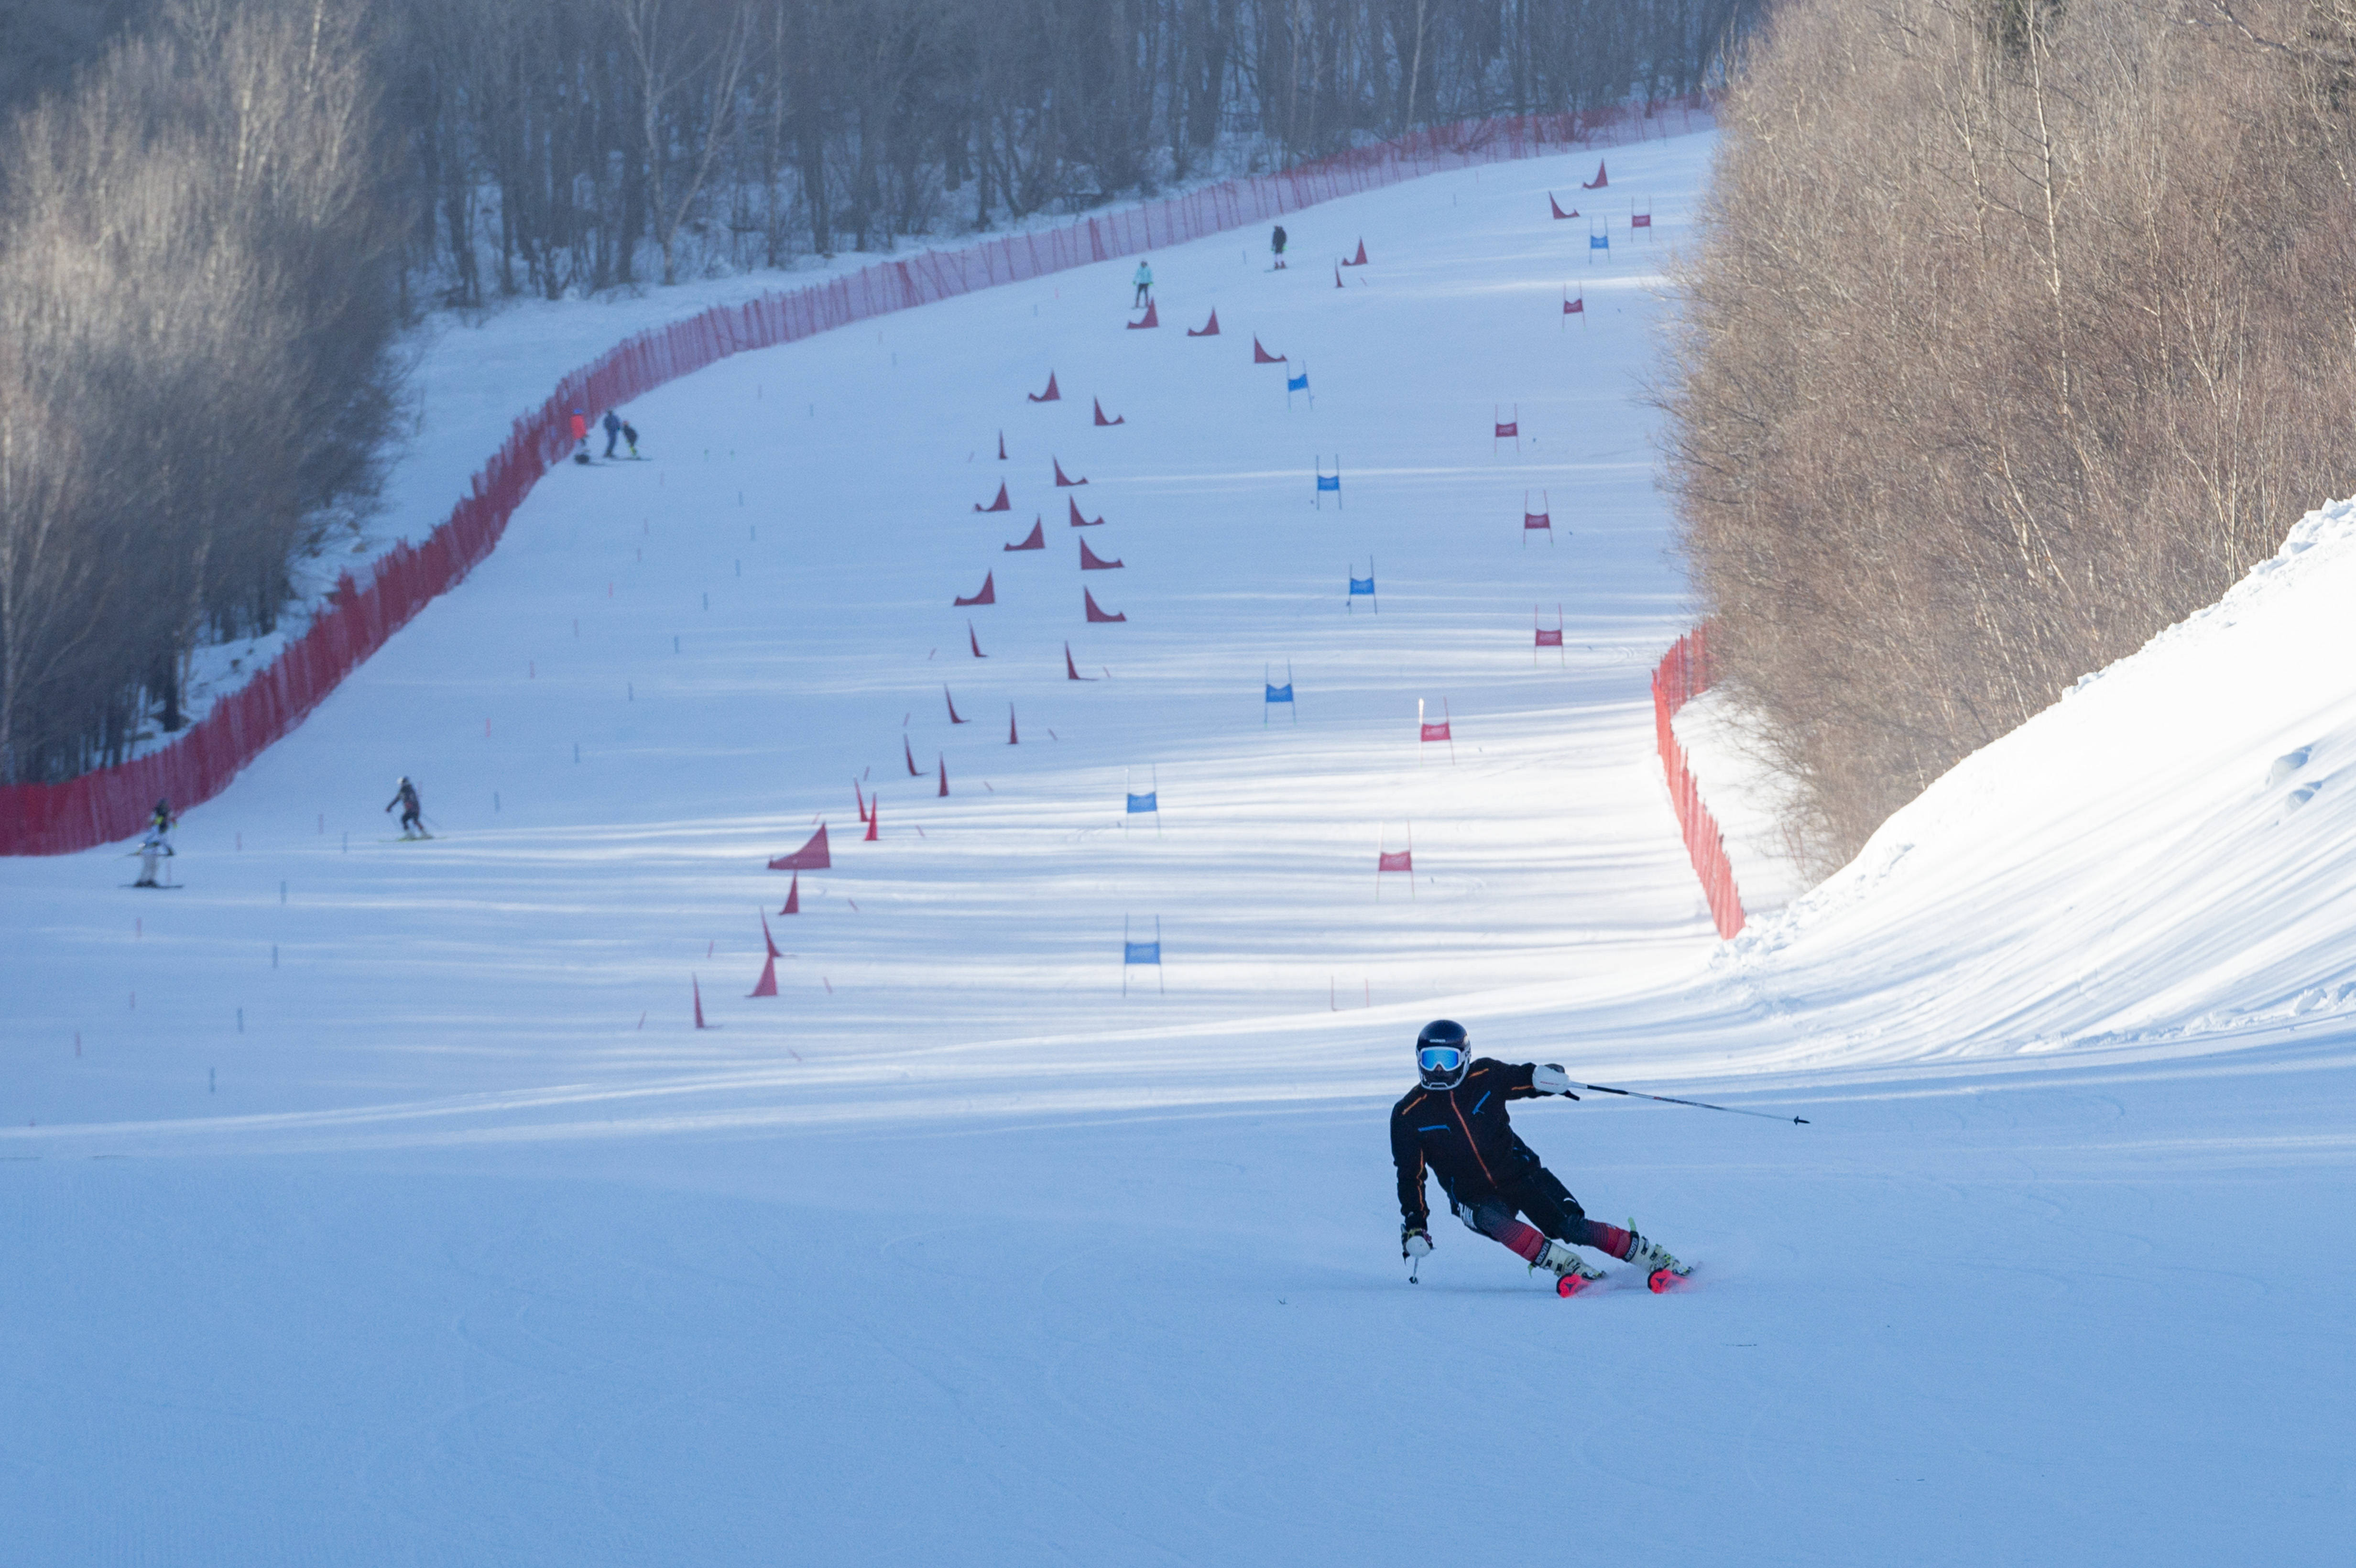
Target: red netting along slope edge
point(1683, 674)
point(113, 804)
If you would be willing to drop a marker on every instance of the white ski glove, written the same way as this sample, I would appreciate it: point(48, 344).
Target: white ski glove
point(1548, 1078)
point(1415, 1244)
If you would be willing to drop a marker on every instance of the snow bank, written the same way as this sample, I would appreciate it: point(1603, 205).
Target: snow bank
point(2166, 851)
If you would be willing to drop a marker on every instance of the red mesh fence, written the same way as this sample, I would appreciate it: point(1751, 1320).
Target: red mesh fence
point(113, 804)
point(1684, 674)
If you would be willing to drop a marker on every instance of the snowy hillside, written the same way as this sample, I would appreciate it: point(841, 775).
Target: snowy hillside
point(2167, 854)
point(371, 1201)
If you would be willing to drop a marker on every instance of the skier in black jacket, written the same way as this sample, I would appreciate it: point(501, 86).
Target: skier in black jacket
point(1455, 1125)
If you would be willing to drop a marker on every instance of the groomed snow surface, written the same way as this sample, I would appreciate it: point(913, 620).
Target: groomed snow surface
point(352, 1214)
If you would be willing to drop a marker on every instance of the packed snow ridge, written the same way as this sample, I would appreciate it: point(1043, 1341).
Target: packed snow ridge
point(2169, 850)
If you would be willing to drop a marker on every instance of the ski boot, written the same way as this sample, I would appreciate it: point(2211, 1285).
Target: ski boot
point(1663, 1271)
point(1572, 1273)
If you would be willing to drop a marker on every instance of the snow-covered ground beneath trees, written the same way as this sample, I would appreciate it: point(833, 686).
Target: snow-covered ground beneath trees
point(378, 1202)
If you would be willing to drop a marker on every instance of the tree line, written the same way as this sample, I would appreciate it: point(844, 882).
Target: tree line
point(2022, 329)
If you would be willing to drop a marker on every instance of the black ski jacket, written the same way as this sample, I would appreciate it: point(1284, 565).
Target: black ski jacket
point(1464, 1136)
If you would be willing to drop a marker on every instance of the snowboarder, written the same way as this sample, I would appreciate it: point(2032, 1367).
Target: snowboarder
point(630, 437)
point(413, 824)
point(1276, 244)
point(156, 845)
point(1455, 1124)
point(1144, 282)
point(612, 431)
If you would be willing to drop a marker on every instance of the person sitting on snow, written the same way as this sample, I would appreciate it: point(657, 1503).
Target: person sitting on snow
point(1454, 1124)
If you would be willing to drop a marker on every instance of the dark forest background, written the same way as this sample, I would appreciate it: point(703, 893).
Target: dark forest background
point(217, 214)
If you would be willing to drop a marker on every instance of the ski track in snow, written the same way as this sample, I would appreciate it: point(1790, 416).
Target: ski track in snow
point(951, 1251)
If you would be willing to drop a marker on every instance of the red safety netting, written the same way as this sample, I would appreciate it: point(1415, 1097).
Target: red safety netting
point(1683, 674)
point(114, 803)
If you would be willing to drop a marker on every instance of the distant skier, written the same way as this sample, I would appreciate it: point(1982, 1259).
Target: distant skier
point(613, 430)
point(1144, 282)
point(1276, 244)
point(413, 823)
point(1455, 1124)
point(580, 435)
point(630, 437)
point(156, 845)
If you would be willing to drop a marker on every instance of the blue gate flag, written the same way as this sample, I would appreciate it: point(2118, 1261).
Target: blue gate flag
point(1328, 481)
point(1141, 951)
point(1598, 241)
point(1363, 586)
point(1146, 802)
point(1297, 383)
point(1281, 693)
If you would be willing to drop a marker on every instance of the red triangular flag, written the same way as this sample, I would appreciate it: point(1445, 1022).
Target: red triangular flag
point(862, 800)
point(767, 940)
point(1360, 259)
point(1001, 446)
point(1000, 505)
point(1262, 356)
point(1101, 420)
point(910, 756)
point(1063, 481)
point(1038, 540)
point(970, 637)
point(1559, 212)
point(1096, 615)
point(1091, 561)
point(945, 775)
point(1601, 179)
point(1050, 396)
point(1079, 521)
point(1071, 670)
point(1337, 274)
point(699, 999)
point(1013, 738)
point(766, 985)
point(1210, 328)
point(989, 594)
point(953, 713)
point(794, 897)
point(874, 815)
point(810, 856)
point(1152, 318)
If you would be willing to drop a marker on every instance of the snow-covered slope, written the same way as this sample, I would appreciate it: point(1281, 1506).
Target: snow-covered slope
point(380, 1203)
point(2169, 852)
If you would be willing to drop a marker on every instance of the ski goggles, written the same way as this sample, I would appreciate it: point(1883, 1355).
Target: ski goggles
point(1440, 1058)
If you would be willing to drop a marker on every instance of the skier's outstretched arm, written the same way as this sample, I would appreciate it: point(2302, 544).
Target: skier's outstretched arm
point(1528, 1081)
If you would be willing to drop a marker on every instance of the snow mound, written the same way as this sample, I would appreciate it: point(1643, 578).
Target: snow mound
point(2165, 852)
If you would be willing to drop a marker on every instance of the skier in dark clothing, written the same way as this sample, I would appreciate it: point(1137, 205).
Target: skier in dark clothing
point(613, 430)
point(1276, 244)
point(1455, 1125)
point(412, 824)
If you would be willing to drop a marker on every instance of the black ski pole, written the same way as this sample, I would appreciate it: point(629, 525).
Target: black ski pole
point(1696, 1104)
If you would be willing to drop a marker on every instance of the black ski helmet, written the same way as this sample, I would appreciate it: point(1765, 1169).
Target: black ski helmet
point(1433, 1065)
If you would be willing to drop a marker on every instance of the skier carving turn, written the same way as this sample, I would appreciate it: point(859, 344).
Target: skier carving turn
point(413, 824)
point(1454, 1124)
